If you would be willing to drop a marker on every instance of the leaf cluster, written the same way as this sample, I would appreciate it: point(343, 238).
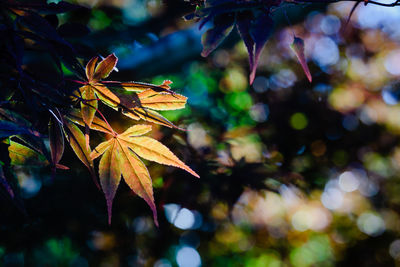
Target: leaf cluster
point(252, 20)
point(36, 110)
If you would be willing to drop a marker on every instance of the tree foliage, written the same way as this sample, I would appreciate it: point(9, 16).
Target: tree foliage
point(294, 172)
point(133, 99)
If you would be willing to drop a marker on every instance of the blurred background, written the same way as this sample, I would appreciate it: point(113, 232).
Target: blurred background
point(292, 173)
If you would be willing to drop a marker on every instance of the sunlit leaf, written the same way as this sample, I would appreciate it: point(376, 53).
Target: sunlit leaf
point(105, 67)
point(97, 123)
point(89, 106)
point(136, 130)
point(139, 86)
point(138, 178)
point(161, 101)
point(90, 67)
point(120, 157)
point(23, 155)
point(139, 104)
point(150, 149)
point(110, 174)
point(148, 115)
point(77, 141)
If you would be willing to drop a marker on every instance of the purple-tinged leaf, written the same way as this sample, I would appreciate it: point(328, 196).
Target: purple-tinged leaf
point(4, 183)
point(260, 31)
point(214, 36)
point(6, 114)
point(73, 30)
point(8, 129)
point(298, 48)
point(44, 8)
point(56, 139)
point(41, 27)
point(243, 25)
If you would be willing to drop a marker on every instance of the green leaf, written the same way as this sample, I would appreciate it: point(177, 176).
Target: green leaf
point(23, 155)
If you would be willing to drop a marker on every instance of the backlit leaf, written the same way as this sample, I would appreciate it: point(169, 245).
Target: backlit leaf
point(105, 95)
point(161, 101)
point(139, 86)
point(23, 155)
point(89, 106)
point(148, 115)
point(110, 174)
point(77, 141)
point(120, 156)
point(136, 130)
point(150, 149)
point(138, 178)
point(97, 123)
point(105, 67)
point(90, 67)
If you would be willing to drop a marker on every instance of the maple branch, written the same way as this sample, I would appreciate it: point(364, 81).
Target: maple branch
point(393, 4)
point(75, 81)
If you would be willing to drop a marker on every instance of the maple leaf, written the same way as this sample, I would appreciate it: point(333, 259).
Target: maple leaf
point(76, 139)
point(298, 47)
point(114, 94)
point(120, 157)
